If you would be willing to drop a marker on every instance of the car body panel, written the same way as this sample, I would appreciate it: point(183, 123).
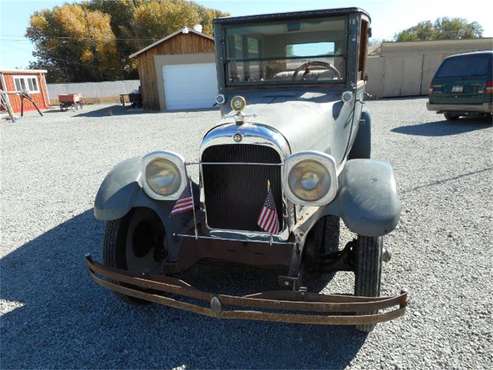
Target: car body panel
point(476, 108)
point(308, 121)
point(367, 200)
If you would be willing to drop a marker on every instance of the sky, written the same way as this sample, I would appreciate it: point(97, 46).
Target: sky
point(388, 17)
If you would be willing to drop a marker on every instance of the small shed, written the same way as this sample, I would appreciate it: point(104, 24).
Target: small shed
point(407, 68)
point(32, 81)
point(178, 71)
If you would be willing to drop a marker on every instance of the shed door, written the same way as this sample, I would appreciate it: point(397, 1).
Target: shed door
point(190, 86)
point(403, 75)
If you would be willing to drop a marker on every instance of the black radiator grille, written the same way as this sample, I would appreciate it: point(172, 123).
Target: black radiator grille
point(235, 194)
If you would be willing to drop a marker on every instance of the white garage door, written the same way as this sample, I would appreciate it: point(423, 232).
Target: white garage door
point(190, 86)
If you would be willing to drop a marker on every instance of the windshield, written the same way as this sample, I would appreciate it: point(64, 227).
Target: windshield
point(466, 66)
point(305, 51)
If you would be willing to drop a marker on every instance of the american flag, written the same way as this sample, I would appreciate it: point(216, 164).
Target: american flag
point(184, 203)
point(268, 219)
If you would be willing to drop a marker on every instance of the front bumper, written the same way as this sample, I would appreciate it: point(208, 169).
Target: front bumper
point(480, 108)
point(278, 306)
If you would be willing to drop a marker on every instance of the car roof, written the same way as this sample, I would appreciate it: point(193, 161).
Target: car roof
point(291, 15)
point(488, 52)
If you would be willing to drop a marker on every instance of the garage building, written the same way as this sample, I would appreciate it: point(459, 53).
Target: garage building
point(178, 71)
point(30, 81)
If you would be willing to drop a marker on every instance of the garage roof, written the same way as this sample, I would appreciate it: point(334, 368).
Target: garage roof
point(184, 30)
point(16, 70)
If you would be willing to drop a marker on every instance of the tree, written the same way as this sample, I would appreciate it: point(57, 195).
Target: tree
point(74, 43)
point(91, 41)
point(442, 29)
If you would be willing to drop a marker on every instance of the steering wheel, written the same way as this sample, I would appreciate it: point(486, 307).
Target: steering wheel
point(316, 63)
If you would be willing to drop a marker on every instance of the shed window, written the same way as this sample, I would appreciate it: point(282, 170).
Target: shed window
point(26, 83)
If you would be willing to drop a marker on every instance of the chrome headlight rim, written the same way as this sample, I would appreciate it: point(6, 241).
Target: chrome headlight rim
point(177, 160)
point(329, 164)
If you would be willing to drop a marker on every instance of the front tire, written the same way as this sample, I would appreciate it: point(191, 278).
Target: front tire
point(322, 240)
point(135, 243)
point(368, 272)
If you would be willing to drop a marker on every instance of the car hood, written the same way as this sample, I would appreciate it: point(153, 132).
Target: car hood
point(306, 121)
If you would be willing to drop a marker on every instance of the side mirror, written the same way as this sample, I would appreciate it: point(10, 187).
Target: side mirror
point(365, 77)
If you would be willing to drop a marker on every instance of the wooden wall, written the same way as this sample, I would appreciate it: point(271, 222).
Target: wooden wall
point(41, 98)
point(188, 43)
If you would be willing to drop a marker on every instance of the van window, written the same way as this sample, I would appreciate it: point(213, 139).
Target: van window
point(465, 66)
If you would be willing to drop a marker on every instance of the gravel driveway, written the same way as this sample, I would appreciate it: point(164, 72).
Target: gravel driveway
point(53, 316)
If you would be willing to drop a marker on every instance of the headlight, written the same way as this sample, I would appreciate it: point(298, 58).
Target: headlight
point(164, 175)
point(310, 178)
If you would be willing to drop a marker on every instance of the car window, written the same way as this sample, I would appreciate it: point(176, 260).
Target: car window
point(311, 50)
point(465, 66)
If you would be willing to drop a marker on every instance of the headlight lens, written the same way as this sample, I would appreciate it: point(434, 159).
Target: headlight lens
point(309, 180)
point(163, 176)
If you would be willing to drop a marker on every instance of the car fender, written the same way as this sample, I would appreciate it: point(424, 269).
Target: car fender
point(121, 191)
point(367, 199)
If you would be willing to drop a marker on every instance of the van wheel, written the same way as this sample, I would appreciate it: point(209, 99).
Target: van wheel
point(135, 243)
point(368, 272)
point(450, 116)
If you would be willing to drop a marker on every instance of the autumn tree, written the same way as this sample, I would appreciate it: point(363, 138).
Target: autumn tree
point(74, 43)
point(92, 41)
point(442, 29)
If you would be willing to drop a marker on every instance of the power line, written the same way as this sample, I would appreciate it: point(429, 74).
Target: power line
point(21, 38)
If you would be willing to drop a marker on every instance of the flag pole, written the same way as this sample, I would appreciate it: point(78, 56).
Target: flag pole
point(193, 208)
point(268, 191)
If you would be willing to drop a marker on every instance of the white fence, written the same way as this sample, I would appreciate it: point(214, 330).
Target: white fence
point(93, 90)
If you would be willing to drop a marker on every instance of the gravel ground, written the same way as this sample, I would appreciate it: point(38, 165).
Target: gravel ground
point(53, 316)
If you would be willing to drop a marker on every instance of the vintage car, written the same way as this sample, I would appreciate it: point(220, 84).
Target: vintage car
point(289, 159)
point(463, 86)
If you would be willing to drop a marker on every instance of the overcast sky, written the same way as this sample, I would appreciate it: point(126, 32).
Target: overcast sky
point(388, 17)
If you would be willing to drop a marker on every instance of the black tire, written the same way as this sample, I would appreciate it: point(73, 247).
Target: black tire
point(362, 143)
point(368, 272)
point(135, 243)
point(323, 239)
point(451, 116)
